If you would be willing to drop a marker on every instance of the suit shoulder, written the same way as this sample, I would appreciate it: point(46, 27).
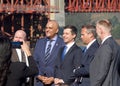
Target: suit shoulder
point(78, 48)
point(60, 38)
point(94, 45)
point(60, 41)
point(41, 39)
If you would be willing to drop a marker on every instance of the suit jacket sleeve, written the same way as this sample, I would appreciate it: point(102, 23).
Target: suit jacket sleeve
point(32, 70)
point(83, 70)
point(26, 71)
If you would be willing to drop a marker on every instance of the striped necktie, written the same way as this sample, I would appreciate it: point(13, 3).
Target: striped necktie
point(23, 56)
point(47, 54)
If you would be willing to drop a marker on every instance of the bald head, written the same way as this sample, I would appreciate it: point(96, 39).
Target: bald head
point(54, 23)
point(52, 29)
point(19, 36)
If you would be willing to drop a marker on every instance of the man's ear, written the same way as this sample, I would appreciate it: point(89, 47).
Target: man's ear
point(74, 35)
point(57, 31)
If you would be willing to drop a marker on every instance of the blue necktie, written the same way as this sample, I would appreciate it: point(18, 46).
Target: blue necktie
point(85, 49)
point(47, 54)
point(64, 52)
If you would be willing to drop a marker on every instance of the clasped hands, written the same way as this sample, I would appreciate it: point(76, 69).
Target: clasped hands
point(58, 81)
point(49, 80)
point(46, 80)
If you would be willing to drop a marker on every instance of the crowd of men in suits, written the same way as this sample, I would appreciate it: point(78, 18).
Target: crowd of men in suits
point(62, 63)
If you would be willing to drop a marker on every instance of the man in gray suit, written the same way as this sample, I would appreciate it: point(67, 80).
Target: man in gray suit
point(103, 68)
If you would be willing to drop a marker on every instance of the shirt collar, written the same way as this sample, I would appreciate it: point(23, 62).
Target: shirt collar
point(90, 43)
point(70, 44)
point(106, 39)
point(53, 39)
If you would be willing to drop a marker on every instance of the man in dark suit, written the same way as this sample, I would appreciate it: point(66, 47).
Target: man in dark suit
point(19, 36)
point(45, 53)
point(18, 54)
point(103, 68)
point(67, 58)
point(19, 71)
point(88, 36)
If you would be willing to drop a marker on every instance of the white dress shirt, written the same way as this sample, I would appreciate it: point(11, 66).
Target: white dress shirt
point(20, 56)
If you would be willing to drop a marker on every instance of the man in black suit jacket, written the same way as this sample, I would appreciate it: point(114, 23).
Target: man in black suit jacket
point(68, 60)
point(19, 71)
point(18, 54)
point(104, 66)
point(88, 36)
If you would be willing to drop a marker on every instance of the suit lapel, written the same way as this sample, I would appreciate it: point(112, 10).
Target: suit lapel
point(68, 53)
point(86, 55)
point(90, 50)
point(55, 46)
point(14, 57)
point(44, 47)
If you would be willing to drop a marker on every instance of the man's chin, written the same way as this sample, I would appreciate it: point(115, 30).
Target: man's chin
point(48, 35)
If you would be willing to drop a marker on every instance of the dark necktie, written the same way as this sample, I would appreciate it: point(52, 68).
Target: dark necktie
point(47, 54)
point(64, 52)
point(23, 56)
point(85, 49)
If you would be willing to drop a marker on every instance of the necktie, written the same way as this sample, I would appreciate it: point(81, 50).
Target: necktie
point(23, 56)
point(84, 49)
point(47, 54)
point(64, 52)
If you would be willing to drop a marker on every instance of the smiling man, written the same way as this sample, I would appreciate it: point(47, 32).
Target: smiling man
point(45, 53)
point(68, 57)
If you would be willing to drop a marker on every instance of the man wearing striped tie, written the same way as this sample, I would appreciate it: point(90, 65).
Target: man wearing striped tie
point(45, 53)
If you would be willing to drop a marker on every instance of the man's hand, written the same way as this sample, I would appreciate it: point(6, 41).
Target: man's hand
point(46, 80)
point(58, 81)
point(41, 78)
point(26, 48)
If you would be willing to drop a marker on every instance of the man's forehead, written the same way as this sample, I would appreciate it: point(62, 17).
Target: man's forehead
point(50, 24)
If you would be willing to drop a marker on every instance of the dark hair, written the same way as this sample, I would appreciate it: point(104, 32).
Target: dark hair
point(90, 29)
point(5, 56)
point(73, 29)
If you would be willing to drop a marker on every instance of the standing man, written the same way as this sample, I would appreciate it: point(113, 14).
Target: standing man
point(103, 68)
point(88, 36)
point(45, 53)
point(19, 36)
point(19, 54)
point(68, 57)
